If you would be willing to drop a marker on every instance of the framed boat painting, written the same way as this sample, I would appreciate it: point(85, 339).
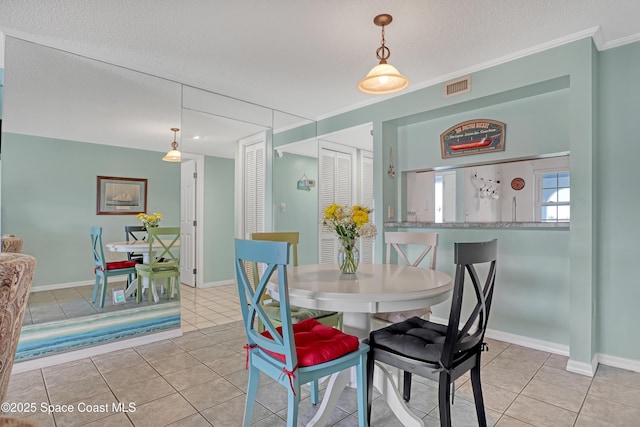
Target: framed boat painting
point(472, 137)
point(121, 196)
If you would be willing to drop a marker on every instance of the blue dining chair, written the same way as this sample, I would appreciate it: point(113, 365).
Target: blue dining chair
point(291, 354)
point(103, 269)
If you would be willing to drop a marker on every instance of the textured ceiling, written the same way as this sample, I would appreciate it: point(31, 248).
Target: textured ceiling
point(304, 57)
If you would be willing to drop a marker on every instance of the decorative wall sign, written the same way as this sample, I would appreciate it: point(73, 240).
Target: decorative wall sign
point(472, 137)
point(305, 183)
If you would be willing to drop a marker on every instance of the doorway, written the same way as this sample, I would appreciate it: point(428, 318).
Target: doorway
point(191, 219)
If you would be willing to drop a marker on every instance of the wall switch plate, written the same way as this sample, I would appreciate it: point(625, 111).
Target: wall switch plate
point(283, 207)
point(390, 212)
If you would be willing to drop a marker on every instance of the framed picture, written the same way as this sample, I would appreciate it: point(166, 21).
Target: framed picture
point(121, 196)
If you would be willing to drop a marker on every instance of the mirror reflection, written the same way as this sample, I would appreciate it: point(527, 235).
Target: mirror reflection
point(68, 120)
point(533, 190)
point(340, 165)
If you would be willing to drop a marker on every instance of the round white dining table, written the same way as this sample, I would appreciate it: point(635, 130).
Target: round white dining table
point(141, 247)
point(374, 288)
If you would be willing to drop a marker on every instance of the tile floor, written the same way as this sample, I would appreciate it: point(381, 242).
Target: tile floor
point(60, 304)
point(199, 380)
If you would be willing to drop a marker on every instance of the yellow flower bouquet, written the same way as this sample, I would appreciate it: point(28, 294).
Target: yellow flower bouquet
point(349, 223)
point(149, 220)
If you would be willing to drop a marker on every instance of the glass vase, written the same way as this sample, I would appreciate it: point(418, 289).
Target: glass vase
point(348, 256)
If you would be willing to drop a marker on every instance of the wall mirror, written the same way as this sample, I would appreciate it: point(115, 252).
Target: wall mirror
point(301, 209)
point(68, 119)
point(530, 190)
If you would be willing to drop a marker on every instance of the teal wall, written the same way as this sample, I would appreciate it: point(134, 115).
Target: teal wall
point(301, 206)
point(219, 178)
point(528, 300)
point(548, 101)
point(617, 156)
point(49, 199)
point(534, 125)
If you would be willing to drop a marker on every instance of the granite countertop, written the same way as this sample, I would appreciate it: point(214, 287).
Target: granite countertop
point(505, 224)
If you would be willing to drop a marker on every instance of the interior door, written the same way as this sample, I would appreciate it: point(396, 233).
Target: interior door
point(188, 200)
point(334, 186)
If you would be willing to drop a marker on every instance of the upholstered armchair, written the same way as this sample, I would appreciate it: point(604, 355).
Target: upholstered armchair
point(11, 243)
point(16, 275)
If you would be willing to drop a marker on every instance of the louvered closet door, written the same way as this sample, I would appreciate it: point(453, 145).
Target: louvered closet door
point(334, 186)
point(366, 184)
point(253, 192)
point(253, 189)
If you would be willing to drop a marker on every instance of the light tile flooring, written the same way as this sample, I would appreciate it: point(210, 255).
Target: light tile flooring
point(67, 303)
point(199, 380)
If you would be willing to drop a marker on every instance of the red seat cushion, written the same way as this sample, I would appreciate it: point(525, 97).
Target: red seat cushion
point(117, 265)
point(317, 343)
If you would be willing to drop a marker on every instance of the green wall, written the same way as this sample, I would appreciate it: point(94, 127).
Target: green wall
point(219, 178)
point(301, 206)
point(617, 157)
point(548, 101)
point(528, 300)
point(49, 199)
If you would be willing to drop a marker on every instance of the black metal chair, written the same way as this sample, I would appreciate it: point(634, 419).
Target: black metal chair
point(135, 233)
point(443, 352)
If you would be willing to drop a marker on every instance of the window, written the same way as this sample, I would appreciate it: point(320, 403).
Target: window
point(445, 196)
point(554, 196)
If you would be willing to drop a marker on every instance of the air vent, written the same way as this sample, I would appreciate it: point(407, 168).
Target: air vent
point(457, 87)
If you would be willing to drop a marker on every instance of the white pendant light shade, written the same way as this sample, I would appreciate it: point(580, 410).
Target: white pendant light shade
point(383, 78)
point(173, 155)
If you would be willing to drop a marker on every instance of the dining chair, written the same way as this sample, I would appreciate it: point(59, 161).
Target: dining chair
point(272, 308)
point(135, 233)
point(164, 262)
point(291, 354)
point(103, 270)
point(444, 352)
point(429, 244)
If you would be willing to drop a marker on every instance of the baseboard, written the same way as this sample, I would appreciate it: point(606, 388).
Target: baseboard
point(62, 285)
point(619, 362)
point(583, 368)
point(218, 283)
point(29, 365)
point(536, 344)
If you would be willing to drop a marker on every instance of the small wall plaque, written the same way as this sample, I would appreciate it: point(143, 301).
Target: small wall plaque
point(472, 137)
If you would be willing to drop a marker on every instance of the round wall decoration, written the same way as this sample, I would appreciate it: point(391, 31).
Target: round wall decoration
point(517, 184)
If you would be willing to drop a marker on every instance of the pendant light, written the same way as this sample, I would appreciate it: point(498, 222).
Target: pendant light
point(173, 155)
point(383, 78)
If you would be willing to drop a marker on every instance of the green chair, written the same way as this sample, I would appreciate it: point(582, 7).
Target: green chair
point(164, 263)
point(272, 308)
point(105, 269)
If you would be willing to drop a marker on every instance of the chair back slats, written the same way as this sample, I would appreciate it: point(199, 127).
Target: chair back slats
point(134, 233)
point(428, 240)
point(275, 255)
point(467, 257)
point(166, 238)
point(292, 237)
point(98, 251)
